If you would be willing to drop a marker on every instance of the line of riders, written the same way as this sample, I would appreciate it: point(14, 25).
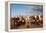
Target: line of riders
point(18, 21)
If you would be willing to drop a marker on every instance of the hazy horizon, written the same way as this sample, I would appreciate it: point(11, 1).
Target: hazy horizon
point(25, 9)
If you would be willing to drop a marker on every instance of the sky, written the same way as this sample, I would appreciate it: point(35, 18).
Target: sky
point(25, 9)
